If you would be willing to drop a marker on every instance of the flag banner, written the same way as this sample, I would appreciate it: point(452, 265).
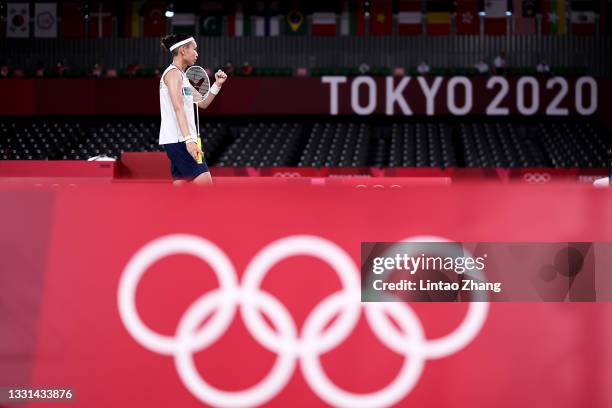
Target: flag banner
point(495, 20)
point(183, 23)
point(211, 25)
point(154, 21)
point(260, 26)
point(211, 18)
point(495, 8)
point(352, 20)
point(524, 16)
point(238, 23)
point(438, 23)
point(324, 24)
point(129, 20)
point(272, 25)
point(381, 17)
point(467, 18)
point(100, 20)
point(294, 22)
point(273, 19)
point(410, 17)
point(259, 18)
point(554, 17)
point(17, 20)
point(529, 8)
point(267, 23)
point(582, 17)
point(45, 20)
point(439, 17)
point(72, 20)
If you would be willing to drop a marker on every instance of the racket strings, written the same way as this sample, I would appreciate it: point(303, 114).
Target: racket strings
point(199, 81)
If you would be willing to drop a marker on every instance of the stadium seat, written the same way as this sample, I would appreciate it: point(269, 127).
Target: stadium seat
point(504, 144)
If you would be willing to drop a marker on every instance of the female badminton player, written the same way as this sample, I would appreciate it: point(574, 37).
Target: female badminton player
point(178, 133)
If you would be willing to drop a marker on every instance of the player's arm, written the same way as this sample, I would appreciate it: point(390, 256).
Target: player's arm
point(175, 84)
point(220, 78)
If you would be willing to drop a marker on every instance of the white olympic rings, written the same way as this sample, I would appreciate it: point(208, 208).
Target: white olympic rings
point(537, 178)
point(289, 343)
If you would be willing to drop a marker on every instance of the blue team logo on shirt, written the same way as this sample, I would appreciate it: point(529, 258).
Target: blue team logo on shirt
point(187, 91)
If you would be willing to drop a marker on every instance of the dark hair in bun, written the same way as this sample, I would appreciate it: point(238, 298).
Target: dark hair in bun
point(171, 39)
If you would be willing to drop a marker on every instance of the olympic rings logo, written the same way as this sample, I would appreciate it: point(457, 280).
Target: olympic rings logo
point(289, 345)
point(537, 178)
point(378, 186)
point(287, 174)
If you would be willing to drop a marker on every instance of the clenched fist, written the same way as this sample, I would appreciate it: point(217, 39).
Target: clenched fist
point(220, 77)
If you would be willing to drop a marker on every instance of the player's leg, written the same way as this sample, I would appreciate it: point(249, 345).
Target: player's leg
point(185, 167)
point(173, 153)
point(203, 179)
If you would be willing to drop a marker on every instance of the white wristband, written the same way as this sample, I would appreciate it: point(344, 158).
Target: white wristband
point(214, 89)
point(189, 139)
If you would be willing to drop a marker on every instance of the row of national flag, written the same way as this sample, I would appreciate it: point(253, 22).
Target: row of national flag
point(403, 17)
point(339, 17)
point(496, 17)
point(85, 19)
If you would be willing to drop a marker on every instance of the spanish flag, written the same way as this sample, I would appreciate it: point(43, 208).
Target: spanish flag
point(438, 23)
point(438, 17)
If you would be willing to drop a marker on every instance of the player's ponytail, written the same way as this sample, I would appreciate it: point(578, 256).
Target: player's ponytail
point(167, 41)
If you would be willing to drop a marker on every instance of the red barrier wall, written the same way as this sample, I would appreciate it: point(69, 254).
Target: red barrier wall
point(154, 166)
point(308, 96)
point(167, 251)
point(58, 168)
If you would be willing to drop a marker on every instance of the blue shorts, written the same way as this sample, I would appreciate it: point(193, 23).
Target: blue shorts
point(182, 165)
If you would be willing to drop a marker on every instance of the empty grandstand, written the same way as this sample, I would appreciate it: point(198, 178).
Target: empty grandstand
point(325, 143)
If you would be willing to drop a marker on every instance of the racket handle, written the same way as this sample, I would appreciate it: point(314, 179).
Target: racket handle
point(610, 167)
point(200, 160)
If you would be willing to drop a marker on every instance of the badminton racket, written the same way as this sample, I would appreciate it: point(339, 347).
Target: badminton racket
point(198, 78)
